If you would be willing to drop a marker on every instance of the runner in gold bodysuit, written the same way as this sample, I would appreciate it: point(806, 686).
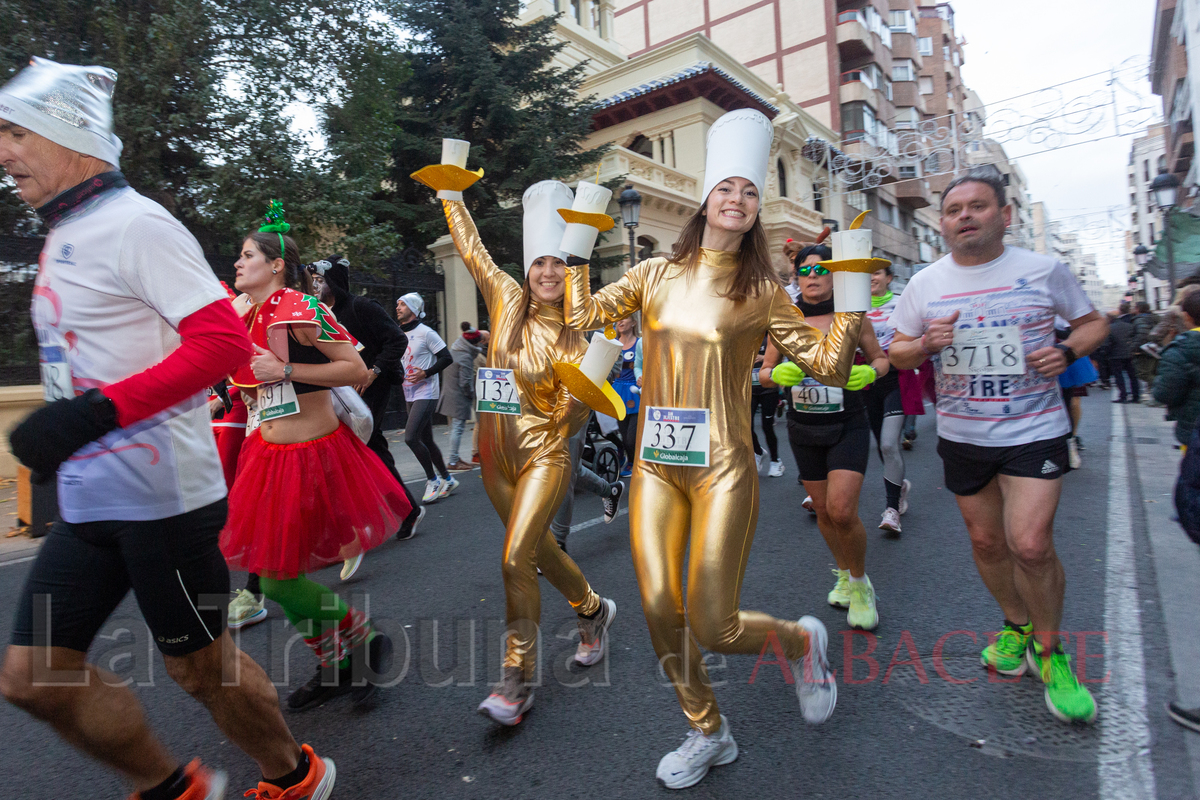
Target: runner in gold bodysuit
point(704, 314)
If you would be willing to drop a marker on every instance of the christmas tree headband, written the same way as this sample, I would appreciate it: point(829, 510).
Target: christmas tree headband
point(276, 225)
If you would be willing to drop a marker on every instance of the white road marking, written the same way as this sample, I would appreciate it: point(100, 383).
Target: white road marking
point(1131, 778)
point(590, 522)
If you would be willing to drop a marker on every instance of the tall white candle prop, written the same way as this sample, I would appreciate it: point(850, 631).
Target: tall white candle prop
point(851, 289)
point(580, 237)
point(454, 153)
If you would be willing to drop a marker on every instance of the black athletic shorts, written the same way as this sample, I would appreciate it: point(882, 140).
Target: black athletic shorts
point(969, 467)
point(820, 449)
point(84, 570)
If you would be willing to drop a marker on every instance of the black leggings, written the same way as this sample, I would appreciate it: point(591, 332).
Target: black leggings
point(628, 429)
point(767, 401)
point(418, 435)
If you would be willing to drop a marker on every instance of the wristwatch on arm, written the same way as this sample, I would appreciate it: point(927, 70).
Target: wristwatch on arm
point(287, 371)
point(1068, 352)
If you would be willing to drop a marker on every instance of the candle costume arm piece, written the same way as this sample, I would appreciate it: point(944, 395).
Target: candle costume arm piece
point(494, 283)
point(827, 358)
point(585, 311)
point(569, 414)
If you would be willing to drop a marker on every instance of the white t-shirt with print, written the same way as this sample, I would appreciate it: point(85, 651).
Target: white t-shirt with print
point(881, 321)
point(1020, 288)
point(115, 280)
point(423, 342)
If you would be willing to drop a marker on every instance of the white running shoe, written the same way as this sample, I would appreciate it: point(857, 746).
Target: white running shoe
point(510, 698)
point(1073, 457)
point(904, 487)
point(890, 521)
point(433, 490)
point(776, 470)
point(351, 565)
point(816, 687)
point(758, 461)
point(593, 634)
point(807, 505)
point(245, 609)
point(448, 486)
point(688, 765)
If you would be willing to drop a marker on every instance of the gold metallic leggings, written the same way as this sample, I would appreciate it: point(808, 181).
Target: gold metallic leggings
point(527, 505)
point(714, 512)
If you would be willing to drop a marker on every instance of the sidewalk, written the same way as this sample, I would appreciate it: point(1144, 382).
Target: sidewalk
point(1176, 557)
point(407, 464)
point(15, 544)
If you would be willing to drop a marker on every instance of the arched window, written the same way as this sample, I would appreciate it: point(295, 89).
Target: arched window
point(818, 194)
point(779, 168)
point(646, 247)
point(642, 146)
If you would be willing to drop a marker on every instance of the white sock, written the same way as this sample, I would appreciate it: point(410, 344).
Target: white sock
point(853, 579)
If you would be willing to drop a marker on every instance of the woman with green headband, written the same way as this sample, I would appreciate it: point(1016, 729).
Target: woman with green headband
point(308, 492)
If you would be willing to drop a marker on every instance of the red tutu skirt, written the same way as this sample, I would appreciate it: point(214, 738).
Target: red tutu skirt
point(295, 508)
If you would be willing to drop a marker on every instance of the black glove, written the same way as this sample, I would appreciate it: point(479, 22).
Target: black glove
point(576, 261)
point(51, 435)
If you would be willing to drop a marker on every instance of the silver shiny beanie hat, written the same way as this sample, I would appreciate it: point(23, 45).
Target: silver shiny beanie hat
point(68, 104)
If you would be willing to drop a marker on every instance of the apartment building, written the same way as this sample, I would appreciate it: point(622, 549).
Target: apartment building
point(1176, 29)
point(1147, 156)
point(851, 86)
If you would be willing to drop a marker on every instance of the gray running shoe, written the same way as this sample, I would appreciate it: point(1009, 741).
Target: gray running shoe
point(510, 698)
point(593, 634)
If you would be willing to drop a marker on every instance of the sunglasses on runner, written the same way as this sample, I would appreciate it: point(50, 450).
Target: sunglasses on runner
point(815, 269)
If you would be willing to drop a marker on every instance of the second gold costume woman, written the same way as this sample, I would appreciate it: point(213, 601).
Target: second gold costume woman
point(704, 314)
point(524, 458)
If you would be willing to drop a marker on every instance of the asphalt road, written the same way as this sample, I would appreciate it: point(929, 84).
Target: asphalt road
point(933, 727)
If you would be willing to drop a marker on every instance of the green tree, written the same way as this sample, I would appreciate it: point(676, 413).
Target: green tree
point(201, 98)
point(474, 73)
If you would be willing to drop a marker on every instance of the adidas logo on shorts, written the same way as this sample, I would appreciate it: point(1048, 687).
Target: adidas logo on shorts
point(1048, 467)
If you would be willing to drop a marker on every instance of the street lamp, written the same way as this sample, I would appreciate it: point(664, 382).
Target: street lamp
point(1141, 255)
point(1165, 188)
point(631, 208)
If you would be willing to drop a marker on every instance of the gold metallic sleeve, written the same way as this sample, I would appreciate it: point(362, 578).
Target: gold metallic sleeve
point(825, 357)
point(585, 311)
point(494, 283)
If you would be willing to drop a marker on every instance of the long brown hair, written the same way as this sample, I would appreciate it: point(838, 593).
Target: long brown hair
point(295, 276)
point(566, 337)
point(754, 257)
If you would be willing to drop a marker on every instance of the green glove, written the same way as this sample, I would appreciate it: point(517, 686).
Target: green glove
point(861, 376)
point(787, 374)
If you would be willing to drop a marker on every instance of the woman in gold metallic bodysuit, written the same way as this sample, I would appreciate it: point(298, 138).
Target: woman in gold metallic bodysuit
point(525, 462)
point(704, 314)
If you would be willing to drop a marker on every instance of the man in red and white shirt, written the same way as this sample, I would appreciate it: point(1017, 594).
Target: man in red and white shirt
point(132, 328)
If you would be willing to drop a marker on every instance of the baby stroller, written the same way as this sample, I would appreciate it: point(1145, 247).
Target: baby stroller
point(599, 454)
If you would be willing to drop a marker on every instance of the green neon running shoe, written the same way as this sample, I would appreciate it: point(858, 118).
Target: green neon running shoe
point(839, 596)
point(1006, 655)
point(1066, 698)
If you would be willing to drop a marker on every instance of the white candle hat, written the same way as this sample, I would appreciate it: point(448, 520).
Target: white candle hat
point(543, 227)
point(579, 239)
point(739, 144)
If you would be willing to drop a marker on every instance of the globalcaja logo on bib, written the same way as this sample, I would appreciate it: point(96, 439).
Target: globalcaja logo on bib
point(68, 250)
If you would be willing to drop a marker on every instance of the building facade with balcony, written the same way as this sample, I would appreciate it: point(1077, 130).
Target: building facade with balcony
point(1147, 155)
point(1176, 37)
